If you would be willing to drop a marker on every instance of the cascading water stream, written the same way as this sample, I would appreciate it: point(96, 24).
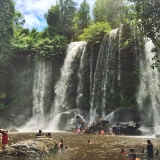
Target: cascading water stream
point(41, 93)
point(101, 76)
point(66, 87)
point(149, 89)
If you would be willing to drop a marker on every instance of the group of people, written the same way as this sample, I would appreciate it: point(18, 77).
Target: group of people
point(61, 143)
point(40, 134)
point(149, 151)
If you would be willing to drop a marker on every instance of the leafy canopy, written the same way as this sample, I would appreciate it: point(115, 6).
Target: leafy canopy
point(6, 26)
point(50, 49)
point(95, 32)
point(147, 19)
point(115, 12)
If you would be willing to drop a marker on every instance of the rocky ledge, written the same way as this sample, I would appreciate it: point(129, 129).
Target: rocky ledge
point(41, 146)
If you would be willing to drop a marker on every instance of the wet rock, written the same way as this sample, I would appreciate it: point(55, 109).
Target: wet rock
point(13, 130)
point(31, 148)
point(124, 115)
point(97, 127)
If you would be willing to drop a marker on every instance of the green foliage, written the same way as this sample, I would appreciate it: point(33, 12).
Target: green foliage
point(81, 19)
point(18, 19)
point(53, 21)
point(6, 26)
point(2, 106)
point(50, 49)
point(115, 12)
point(2, 95)
point(95, 32)
point(147, 20)
point(147, 17)
point(60, 18)
point(24, 40)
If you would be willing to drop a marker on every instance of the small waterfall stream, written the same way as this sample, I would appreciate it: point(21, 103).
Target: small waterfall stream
point(148, 96)
point(41, 95)
point(66, 89)
point(101, 77)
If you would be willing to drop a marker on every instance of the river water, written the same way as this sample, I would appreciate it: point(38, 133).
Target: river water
point(102, 147)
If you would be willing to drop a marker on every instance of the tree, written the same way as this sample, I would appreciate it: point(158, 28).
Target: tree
point(147, 20)
point(67, 11)
point(81, 19)
point(60, 18)
point(115, 12)
point(6, 34)
point(6, 26)
point(53, 21)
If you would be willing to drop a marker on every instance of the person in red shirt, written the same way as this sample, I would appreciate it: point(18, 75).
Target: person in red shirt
point(4, 139)
point(102, 132)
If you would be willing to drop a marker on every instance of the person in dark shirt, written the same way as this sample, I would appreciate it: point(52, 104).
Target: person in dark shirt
point(149, 149)
point(39, 133)
point(132, 155)
point(49, 135)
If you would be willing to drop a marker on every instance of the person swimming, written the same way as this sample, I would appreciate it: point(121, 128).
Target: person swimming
point(142, 150)
point(123, 151)
point(61, 144)
point(156, 152)
point(39, 133)
point(132, 155)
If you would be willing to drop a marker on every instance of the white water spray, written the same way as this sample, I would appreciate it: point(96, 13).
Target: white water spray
point(74, 52)
point(149, 87)
point(42, 83)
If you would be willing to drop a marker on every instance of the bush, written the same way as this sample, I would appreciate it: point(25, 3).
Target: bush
point(95, 32)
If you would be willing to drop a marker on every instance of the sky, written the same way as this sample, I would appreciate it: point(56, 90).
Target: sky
point(34, 10)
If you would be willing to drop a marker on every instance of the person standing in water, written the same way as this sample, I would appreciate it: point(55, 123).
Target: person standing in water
point(4, 138)
point(149, 149)
point(78, 128)
point(61, 144)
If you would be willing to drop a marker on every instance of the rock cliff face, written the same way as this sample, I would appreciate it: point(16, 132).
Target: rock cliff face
point(41, 147)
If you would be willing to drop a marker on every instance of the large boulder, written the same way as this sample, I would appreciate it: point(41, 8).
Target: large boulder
point(124, 115)
point(41, 146)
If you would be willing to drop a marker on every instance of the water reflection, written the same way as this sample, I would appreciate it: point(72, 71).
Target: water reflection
point(101, 147)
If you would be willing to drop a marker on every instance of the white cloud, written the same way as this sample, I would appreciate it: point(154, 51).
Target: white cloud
point(34, 10)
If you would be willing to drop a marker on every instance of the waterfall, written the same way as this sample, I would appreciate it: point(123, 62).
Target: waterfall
point(41, 95)
point(69, 85)
point(94, 85)
point(148, 96)
point(104, 67)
